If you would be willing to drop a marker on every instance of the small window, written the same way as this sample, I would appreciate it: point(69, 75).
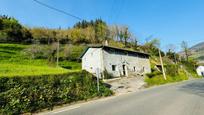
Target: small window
point(113, 67)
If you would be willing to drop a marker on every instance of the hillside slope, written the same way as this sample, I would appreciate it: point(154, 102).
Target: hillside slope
point(198, 52)
point(14, 62)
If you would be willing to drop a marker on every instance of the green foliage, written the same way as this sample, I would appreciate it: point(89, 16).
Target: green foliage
point(70, 65)
point(72, 52)
point(28, 94)
point(173, 56)
point(190, 65)
point(13, 31)
point(173, 72)
point(152, 47)
point(172, 69)
point(159, 80)
point(28, 60)
point(153, 74)
point(11, 70)
point(10, 51)
point(30, 84)
point(83, 32)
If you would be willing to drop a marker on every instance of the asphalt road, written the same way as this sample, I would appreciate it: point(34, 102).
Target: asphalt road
point(186, 98)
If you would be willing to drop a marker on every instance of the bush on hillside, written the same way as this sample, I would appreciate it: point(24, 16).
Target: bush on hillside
point(159, 80)
point(172, 69)
point(153, 74)
point(11, 31)
point(190, 65)
point(28, 94)
point(72, 52)
point(34, 52)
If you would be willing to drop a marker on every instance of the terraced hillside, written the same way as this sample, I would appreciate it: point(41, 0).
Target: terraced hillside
point(13, 62)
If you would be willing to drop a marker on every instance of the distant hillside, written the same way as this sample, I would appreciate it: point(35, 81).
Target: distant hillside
point(198, 52)
point(197, 47)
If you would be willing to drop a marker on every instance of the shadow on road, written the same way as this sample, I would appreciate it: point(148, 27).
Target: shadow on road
point(196, 88)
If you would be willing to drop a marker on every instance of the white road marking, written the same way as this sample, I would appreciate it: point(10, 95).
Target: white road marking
point(70, 108)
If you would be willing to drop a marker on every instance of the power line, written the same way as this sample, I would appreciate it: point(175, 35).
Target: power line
point(58, 10)
point(118, 10)
point(112, 8)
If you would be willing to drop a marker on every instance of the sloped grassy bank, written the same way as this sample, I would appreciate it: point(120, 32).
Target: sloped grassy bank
point(29, 94)
point(174, 73)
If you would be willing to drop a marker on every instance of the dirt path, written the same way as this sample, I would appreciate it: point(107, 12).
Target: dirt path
point(126, 84)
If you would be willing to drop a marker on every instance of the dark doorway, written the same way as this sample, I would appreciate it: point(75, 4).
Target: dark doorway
point(124, 72)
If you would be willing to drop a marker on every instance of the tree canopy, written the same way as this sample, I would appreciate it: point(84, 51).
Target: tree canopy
point(12, 31)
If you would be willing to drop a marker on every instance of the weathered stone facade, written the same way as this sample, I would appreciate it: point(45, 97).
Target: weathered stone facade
point(116, 61)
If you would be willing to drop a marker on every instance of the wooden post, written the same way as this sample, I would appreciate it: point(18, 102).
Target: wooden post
point(161, 61)
point(58, 53)
point(175, 58)
point(97, 76)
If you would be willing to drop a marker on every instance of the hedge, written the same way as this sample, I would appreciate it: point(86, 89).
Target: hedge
point(29, 94)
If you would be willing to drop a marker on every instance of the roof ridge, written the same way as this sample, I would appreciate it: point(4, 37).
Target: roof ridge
point(104, 46)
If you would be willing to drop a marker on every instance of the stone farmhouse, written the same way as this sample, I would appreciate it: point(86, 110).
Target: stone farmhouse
point(116, 61)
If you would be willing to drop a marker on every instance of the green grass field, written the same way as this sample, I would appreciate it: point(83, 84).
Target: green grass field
point(14, 63)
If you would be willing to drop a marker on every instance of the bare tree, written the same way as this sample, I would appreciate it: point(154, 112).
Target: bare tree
point(52, 52)
point(171, 52)
point(126, 35)
point(184, 46)
point(67, 51)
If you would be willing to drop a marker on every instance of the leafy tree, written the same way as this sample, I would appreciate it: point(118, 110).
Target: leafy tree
point(83, 24)
point(13, 31)
point(100, 30)
point(172, 55)
point(152, 47)
point(77, 36)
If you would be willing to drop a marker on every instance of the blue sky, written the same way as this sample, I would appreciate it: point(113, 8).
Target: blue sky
point(172, 21)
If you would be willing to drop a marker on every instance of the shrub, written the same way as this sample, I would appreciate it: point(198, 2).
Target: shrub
point(172, 69)
point(153, 74)
point(34, 51)
point(28, 94)
point(158, 79)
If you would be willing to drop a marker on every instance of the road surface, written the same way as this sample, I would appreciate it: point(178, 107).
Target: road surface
point(185, 98)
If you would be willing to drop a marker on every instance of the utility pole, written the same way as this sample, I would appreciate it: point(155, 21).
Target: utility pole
point(175, 58)
point(97, 77)
point(161, 61)
point(58, 43)
point(57, 52)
